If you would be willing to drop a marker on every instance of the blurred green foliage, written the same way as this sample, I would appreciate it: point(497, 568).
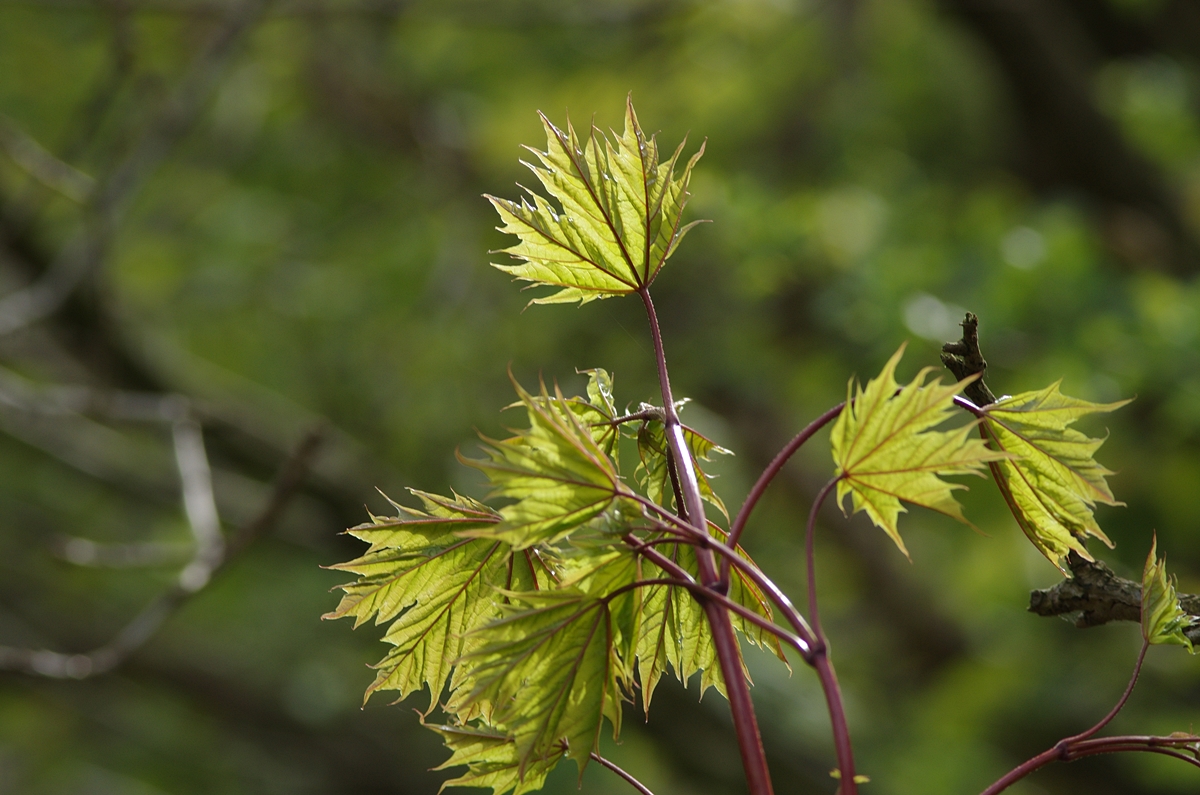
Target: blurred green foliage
point(315, 245)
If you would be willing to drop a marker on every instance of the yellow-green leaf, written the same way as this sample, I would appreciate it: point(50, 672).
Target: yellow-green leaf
point(1163, 619)
point(618, 217)
point(672, 629)
point(555, 471)
point(885, 450)
point(596, 411)
point(547, 673)
point(1052, 482)
point(654, 474)
point(491, 758)
point(433, 585)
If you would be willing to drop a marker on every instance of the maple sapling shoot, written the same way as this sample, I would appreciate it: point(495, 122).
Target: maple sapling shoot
point(531, 623)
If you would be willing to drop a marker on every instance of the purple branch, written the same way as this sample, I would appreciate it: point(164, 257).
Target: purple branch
point(810, 557)
point(1137, 669)
point(633, 782)
point(773, 591)
point(684, 580)
point(1080, 744)
point(820, 656)
point(745, 723)
point(768, 474)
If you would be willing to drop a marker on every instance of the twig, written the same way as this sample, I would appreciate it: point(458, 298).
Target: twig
point(764, 480)
point(754, 759)
point(101, 660)
point(85, 552)
point(1099, 596)
point(810, 556)
point(964, 359)
point(1082, 744)
point(633, 782)
point(39, 163)
point(111, 197)
point(682, 579)
point(199, 504)
point(209, 8)
point(820, 655)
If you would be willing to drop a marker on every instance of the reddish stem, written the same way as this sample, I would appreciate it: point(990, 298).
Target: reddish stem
point(768, 474)
point(810, 557)
point(837, 719)
point(745, 723)
point(820, 657)
point(1077, 745)
point(633, 782)
point(684, 580)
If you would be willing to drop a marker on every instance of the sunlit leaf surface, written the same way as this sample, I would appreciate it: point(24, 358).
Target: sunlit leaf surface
point(492, 761)
point(430, 583)
point(618, 217)
point(1163, 619)
point(886, 452)
point(1052, 482)
point(556, 473)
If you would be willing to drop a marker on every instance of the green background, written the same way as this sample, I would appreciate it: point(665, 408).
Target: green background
point(309, 243)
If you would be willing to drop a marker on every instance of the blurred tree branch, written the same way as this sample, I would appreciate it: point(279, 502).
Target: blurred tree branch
point(107, 202)
point(211, 8)
point(212, 554)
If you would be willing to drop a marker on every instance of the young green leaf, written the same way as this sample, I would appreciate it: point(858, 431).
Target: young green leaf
point(620, 217)
point(558, 475)
point(433, 585)
point(546, 673)
point(885, 451)
point(1052, 482)
point(653, 473)
point(1163, 619)
point(673, 630)
point(595, 412)
point(492, 760)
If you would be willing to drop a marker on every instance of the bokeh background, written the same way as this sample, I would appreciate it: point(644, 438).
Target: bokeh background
point(273, 212)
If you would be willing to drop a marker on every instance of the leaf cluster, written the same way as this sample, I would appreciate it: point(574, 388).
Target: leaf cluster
point(532, 622)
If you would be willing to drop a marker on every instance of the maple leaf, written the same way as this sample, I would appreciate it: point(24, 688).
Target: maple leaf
point(672, 628)
point(595, 412)
point(620, 217)
point(1163, 619)
point(653, 472)
point(492, 760)
point(1052, 481)
point(885, 451)
point(547, 672)
point(433, 585)
point(557, 473)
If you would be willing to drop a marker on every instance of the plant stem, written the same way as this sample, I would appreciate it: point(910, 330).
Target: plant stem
point(745, 723)
point(683, 580)
point(820, 656)
point(1067, 747)
point(810, 557)
point(837, 718)
point(755, 575)
point(633, 782)
point(768, 474)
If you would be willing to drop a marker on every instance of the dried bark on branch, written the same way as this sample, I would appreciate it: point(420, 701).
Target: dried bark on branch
point(1097, 595)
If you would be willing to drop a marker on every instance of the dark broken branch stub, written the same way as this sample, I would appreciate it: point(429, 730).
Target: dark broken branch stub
point(964, 359)
point(1095, 595)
